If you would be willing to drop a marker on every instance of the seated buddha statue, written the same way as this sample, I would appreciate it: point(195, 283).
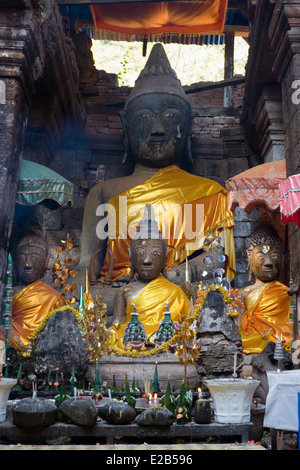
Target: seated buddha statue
point(266, 301)
point(148, 289)
point(33, 298)
point(157, 122)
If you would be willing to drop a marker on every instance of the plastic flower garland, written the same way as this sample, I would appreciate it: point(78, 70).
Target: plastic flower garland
point(201, 297)
point(231, 298)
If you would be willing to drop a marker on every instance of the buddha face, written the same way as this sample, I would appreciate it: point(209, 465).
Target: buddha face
point(30, 261)
point(157, 128)
point(148, 258)
point(265, 261)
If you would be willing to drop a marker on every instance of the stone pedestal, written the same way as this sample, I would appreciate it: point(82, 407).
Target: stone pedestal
point(168, 368)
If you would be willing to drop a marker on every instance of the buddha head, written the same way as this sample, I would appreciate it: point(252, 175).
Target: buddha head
point(148, 249)
point(157, 116)
point(31, 257)
point(265, 254)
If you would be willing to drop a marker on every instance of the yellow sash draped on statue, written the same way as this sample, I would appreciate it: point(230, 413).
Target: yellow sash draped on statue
point(150, 304)
point(267, 316)
point(29, 308)
point(174, 195)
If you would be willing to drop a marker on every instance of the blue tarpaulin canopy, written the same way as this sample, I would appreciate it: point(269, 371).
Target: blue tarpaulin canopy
point(38, 183)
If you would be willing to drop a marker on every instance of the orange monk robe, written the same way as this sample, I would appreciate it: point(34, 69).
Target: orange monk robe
point(150, 304)
point(175, 196)
point(267, 316)
point(29, 307)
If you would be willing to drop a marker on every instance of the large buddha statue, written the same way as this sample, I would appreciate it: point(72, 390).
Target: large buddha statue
point(148, 290)
point(33, 299)
point(266, 301)
point(157, 122)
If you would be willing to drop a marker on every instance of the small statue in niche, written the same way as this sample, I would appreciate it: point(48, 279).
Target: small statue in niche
point(157, 122)
point(148, 290)
point(33, 299)
point(267, 301)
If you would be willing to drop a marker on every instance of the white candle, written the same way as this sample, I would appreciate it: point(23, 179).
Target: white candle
point(234, 364)
point(109, 393)
point(186, 268)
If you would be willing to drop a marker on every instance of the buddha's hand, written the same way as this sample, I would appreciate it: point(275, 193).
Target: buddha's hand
point(295, 286)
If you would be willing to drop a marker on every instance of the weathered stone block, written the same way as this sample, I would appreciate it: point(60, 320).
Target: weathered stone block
point(82, 412)
point(243, 229)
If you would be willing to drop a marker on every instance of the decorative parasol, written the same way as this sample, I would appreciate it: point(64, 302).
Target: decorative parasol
point(38, 183)
point(257, 186)
point(289, 191)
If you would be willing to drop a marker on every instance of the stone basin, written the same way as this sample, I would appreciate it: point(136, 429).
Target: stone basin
point(232, 399)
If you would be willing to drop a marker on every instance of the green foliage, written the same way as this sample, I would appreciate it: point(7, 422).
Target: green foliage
point(130, 400)
point(192, 63)
point(123, 63)
point(168, 400)
point(183, 406)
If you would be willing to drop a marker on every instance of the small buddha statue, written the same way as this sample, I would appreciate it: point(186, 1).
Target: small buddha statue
point(157, 123)
point(148, 290)
point(33, 298)
point(266, 301)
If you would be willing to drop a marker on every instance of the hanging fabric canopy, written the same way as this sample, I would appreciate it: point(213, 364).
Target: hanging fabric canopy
point(289, 191)
point(148, 18)
point(38, 183)
point(257, 186)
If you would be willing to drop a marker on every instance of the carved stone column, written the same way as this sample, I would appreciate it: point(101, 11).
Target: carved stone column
point(36, 59)
point(16, 84)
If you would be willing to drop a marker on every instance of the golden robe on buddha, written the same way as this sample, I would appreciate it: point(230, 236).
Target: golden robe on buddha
point(267, 316)
point(29, 307)
point(150, 304)
point(169, 192)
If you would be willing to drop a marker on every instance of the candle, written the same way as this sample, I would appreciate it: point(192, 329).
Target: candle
point(109, 394)
point(234, 364)
point(186, 267)
point(155, 399)
point(199, 392)
point(75, 392)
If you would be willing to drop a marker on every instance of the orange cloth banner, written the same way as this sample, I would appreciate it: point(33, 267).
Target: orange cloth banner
point(161, 17)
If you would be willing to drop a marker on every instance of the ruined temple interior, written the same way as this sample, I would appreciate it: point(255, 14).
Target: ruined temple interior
point(58, 110)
